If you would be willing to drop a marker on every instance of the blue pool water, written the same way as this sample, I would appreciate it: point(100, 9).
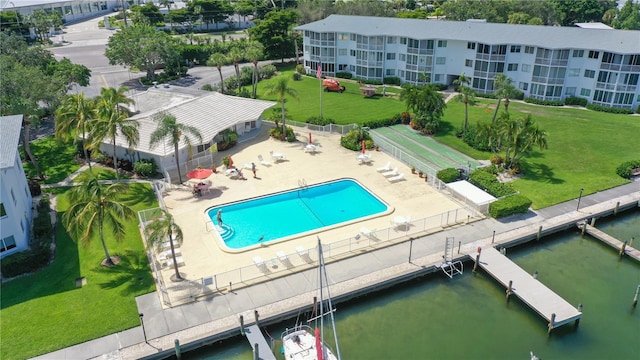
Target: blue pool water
point(275, 216)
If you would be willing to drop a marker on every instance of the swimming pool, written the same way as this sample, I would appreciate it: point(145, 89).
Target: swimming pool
point(295, 212)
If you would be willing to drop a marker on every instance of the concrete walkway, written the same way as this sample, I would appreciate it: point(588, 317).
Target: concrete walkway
point(216, 317)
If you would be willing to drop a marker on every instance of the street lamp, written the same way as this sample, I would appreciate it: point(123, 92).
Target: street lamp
point(579, 197)
point(141, 315)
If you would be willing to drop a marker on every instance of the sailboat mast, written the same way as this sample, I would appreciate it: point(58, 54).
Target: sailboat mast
point(330, 306)
point(321, 304)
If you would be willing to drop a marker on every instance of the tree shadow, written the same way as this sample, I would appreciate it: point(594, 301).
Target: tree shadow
point(131, 273)
point(138, 193)
point(541, 173)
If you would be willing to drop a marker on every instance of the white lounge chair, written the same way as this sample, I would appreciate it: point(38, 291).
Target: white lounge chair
point(311, 148)
point(166, 254)
point(368, 233)
point(364, 158)
point(263, 161)
point(402, 221)
point(385, 168)
point(258, 261)
point(396, 178)
point(179, 261)
point(277, 156)
point(393, 172)
point(302, 251)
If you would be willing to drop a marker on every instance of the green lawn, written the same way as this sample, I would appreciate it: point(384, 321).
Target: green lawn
point(584, 149)
point(45, 311)
point(346, 108)
point(56, 159)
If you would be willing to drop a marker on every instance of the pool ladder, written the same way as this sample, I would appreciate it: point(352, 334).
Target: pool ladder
point(302, 183)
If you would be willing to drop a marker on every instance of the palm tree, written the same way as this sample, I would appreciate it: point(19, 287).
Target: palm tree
point(160, 229)
point(503, 89)
point(31, 115)
point(280, 89)
point(72, 117)
point(111, 121)
point(168, 127)
point(254, 53)
point(217, 60)
point(520, 136)
point(235, 56)
point(466, 96)
point(93, 210)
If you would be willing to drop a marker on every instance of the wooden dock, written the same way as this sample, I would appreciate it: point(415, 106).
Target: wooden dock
point(532, 292)
point(255, 337)
point(611, 241)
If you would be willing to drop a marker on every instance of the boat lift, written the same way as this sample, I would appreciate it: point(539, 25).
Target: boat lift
point(448, 266)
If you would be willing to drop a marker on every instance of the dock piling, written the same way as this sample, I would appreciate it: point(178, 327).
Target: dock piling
point(475, 266)
point(242, 325)
point(509, 290)
point(593, 221)
point(176, 344)
point(578, 319)
point(535, 274)
point(459, 244)
point(493, 238)
point(615, 209)
point(583, 228)
point(551, 323)
point(539, 235)
point(256, 352)
point(622, 248)
point(635, 297)
point(255, 314)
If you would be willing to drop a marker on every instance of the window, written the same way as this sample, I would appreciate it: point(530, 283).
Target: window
point(438, 77)
point(574, 72)
point(482, 65)
point(523, 86)
point(3, 211)
point(352, 52)
point(7, 243)
point(543, 53)
point(528, 49)
point(403, 57)
point(571, 91)
point(483, 49)
point(578, 53)
point(352, 37)
point(525, 68)
point(512, 67)
point(515, 48)
point(589, 74)
point(441, 60)
point(392, 39)
point(585, 92)
point(391, 56)
point(403, 41)
point(471, 45)
point(593, 54)
point(390, 72)
point(342, 52)
point(468, 63)
point(630, 79)
point(442, 43)
point(343, 36)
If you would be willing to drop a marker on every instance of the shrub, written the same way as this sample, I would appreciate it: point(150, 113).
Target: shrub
point(267, 71)
point(276, 132)
point(405, 117)
point(479, 143)
point(297, 76)
point(497, 160)
point(34, 188)
point(26, 261)
point(393, 80)
point(448, 175)
point(544, 102)
point(145, 167)
point(625, 169)
point(516, 204)
point(373, 124)
point(607, 109)
point(300, 69)
point(370, 82)
point(353, 140)
point(575, 101)
point(344, 75)
point(317, 120)
point(441, 87)
point(490, 184)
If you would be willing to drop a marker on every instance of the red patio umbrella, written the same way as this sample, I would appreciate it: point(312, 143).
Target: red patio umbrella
point(363, 146)
point(199, 173)
point(310, 142)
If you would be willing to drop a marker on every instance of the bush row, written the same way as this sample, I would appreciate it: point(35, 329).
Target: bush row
point(40, 252)
point(490, 184)
point(575, 101)
point(607, 109)
point(392, 80)
point(519, 95)
point(544, 102)
point(145, 167)
point(448, 175)
point(625, 169)
point(511, 205)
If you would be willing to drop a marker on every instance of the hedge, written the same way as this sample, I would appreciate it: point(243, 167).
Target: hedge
point(394, 120)
point(448, 175)
point(544, 102)
point(516, 204)
point(575, 101)
point(344, 75)
point(490, 184)
point(145, 167)
point(625, 169)
point(393, 80)
point(607, 109)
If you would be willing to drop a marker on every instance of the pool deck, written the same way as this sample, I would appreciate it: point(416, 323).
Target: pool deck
point(408, 197)
point(216, 317)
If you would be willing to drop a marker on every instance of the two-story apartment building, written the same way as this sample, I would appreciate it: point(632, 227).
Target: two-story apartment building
point(15, 197)
point(544, 62)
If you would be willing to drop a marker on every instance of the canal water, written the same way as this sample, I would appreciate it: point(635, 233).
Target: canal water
point(468, 317)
